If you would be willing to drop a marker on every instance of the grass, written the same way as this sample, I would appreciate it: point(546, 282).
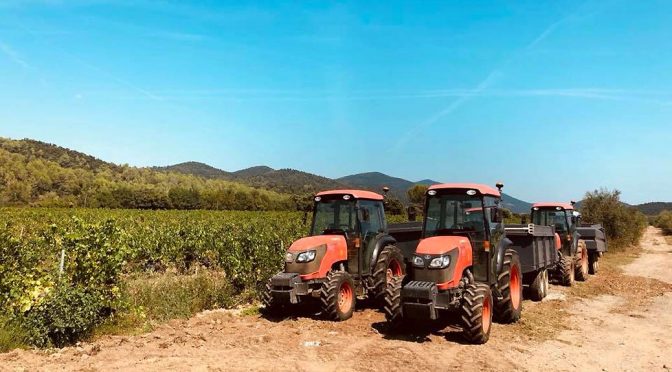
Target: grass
point(11, 336)
point(155, 299)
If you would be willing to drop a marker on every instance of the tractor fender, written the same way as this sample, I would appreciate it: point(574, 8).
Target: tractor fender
point(501, 250)
point(382, 241)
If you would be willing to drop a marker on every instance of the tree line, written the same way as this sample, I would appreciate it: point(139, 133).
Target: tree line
point(38, 174)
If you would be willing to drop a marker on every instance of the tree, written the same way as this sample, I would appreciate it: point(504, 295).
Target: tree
point(416, 194)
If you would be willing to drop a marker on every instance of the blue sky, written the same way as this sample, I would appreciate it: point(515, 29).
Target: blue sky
point(553, 98)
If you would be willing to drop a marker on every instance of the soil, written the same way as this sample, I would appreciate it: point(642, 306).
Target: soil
point(599, 325)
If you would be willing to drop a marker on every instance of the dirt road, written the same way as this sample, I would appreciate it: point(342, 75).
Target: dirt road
point(621, 330)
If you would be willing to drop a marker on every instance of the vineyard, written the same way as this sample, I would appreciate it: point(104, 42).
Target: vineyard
point(65, 271)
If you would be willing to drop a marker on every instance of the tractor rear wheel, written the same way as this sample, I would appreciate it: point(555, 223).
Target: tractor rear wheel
point(582, 267)
point(539, 287)
point(510, 286)
point(272, 307)
point(476, 311)
point(337, 296)
point(389, 265)
point(567, 270)
point(593, 263)
point(392, 302)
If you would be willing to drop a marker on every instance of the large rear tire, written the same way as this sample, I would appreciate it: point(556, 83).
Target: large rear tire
point(582, 267)
point(392, 302)
point(337, 296)
point(510, 286)
point(477, 313)
point(539, 287)
point(272, 307)
point(593, 263)
point(567, 270)
point(389, 265)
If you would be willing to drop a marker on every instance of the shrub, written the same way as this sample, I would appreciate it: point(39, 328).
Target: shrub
point(623, 225)
point(67, 314)
point(664, 221)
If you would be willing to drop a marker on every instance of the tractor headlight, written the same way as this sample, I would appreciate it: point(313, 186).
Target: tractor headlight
point(306, 256)
point(418, 261)
point(289, 257)
point(440, 262)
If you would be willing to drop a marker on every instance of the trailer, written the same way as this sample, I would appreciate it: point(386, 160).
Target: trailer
point(538, 252)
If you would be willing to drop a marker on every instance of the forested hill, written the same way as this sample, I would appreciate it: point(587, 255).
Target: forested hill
point(40, 174)
point(290, 181)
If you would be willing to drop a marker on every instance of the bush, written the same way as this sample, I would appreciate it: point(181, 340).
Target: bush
point(623, 225)
point(68, 314)
point(664, 221)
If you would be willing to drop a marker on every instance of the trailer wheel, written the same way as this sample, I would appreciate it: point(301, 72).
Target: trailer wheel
point(272, 307)
point(389, 265)
point(567, 270)
point(510, 286)
point(476, 311)
point(582, 262)
point(337, 296)
point(593, 263)
point(539, 287)
point(392, 302)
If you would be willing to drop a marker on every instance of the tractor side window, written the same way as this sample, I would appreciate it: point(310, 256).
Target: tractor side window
point(370, 218)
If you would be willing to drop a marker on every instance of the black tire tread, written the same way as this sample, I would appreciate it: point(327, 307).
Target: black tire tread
point(566, 270)
point(389, 253)
point(580, 275)
point(392, 302)
point(472, 313)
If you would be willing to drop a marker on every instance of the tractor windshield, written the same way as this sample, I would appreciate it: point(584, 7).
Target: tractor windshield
point(551, 217)
point(453, 213)
point(334, 216)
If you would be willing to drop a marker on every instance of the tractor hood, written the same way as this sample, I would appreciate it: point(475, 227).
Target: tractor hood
point(328, 251)
point(438, 245)
point(312, 242)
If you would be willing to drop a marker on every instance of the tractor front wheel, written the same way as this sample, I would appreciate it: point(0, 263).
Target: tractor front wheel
point(510, 286)
point(389, 265)
point(582, 268)
point(476, 311)
point(337, 296)
point(392, 302)
point(272, 307)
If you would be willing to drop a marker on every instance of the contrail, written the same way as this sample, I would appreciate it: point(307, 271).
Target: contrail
point(13, 55)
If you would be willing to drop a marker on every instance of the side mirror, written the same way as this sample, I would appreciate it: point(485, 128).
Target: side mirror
point(496, 215)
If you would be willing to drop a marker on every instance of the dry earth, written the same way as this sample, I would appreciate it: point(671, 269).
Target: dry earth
point(620, 330)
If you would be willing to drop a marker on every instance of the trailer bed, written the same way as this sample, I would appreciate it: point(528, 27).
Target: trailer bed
point(535, 245)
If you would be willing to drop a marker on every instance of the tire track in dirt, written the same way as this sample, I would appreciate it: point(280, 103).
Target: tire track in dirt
point(598, 338)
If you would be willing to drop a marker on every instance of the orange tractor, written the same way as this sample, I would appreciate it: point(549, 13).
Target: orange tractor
point(581, 246)
point(351, 253)
point(468, 262)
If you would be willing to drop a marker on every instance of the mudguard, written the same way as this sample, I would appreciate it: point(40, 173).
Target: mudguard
point(381, 242)
point(501, 250)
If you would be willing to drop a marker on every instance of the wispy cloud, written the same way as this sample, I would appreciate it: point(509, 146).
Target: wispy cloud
point(13, 55)
point(485, 84)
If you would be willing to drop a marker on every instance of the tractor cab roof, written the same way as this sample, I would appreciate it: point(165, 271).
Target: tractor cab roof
point(482, 189)
point(357, 194)
point(565, 206)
